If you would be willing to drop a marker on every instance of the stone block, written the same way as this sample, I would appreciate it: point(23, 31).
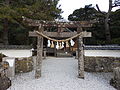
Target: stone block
point(24, 65)
point(115, 81)
point(10, 72)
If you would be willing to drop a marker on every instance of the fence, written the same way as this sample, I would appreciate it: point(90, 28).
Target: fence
point(104, 47)
point(15, 47)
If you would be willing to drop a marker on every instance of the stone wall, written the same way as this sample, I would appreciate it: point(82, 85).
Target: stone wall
point(23, 65)
point(92, 64)
point(101, 64)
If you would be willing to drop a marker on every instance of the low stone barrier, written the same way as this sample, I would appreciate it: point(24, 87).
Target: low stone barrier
point(101, 64)
point(18, 65)
point(92, 64)
point(23, 65)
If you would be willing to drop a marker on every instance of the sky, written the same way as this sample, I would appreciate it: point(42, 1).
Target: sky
point(68, 6)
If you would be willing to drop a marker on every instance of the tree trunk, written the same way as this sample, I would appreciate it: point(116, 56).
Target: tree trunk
point(5, 32)
point(107, 27)
point(5, 27)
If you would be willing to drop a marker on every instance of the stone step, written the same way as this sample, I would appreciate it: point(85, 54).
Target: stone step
point(63, 54)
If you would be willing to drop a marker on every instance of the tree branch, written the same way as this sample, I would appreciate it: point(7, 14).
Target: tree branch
point(116, 3)
point(99, 9)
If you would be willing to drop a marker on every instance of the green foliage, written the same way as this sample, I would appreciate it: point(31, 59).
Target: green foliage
point(13, 10)
point(98, 29)
point(115, 41)
point(18, 35)
point(6, 12)
point(82, 14)
point(86, 14)
point(115, 24)
point(37, 9)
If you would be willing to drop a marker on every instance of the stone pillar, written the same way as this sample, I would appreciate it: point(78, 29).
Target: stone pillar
point(39, 55)
point(80, 56)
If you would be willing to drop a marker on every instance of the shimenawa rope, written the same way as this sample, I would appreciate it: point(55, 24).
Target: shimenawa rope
point(55, 40)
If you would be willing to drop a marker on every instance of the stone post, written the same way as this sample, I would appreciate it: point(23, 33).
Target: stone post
point(80, 56)
point(39, 55)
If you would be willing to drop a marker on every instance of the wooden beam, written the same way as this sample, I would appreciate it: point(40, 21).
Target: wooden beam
point(60, 35)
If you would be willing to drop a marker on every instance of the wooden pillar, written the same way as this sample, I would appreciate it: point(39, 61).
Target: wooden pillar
point(55, 50)
point(69, 46)
point(80, 56)
point(76, 57)
point(39, 55)
point(44, 53)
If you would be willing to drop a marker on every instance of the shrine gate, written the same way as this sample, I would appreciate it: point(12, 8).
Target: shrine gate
point(60, 33)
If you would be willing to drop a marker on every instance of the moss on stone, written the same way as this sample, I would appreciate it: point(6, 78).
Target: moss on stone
point(101, 64)
point(23, 65)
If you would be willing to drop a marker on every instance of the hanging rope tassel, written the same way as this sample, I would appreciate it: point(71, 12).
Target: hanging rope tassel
point(52, 45)
point(72, 42)
point(67, 45)
point(48, 43)
point(57, 46)
point(60, 45)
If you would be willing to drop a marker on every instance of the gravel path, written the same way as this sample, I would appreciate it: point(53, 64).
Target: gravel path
point(61, 74)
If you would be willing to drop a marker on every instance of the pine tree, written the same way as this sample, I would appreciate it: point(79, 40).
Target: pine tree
point(13, 10)
point(112, 4)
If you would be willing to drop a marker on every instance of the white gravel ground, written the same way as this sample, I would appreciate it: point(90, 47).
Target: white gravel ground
point(61, 74)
